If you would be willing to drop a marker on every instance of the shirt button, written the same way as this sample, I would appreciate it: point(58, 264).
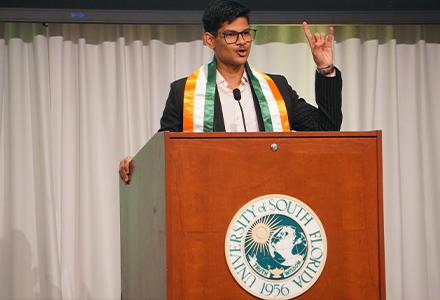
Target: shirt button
point(237, 118)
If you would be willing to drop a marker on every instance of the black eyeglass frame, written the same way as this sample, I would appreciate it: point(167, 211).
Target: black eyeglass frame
point(238, 34)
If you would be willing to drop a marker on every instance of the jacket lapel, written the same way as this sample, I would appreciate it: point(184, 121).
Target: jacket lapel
point(219, 122)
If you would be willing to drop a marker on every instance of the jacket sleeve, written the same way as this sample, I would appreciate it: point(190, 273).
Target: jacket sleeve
point(172, 116)
point(328, 116)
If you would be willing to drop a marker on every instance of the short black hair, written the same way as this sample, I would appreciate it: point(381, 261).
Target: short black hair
point(221, 11)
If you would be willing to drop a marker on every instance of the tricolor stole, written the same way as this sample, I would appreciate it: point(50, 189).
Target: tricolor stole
point(199, 98)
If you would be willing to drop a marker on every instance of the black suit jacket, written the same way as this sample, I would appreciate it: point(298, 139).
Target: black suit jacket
point(302, 116)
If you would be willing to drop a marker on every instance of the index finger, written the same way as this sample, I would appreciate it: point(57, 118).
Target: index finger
point(307, 32)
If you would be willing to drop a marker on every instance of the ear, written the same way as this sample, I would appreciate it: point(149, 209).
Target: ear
point(209, 40)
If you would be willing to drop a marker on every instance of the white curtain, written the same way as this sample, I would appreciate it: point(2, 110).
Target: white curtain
point(75, 99)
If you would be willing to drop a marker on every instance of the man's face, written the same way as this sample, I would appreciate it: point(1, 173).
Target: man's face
point(232, 55)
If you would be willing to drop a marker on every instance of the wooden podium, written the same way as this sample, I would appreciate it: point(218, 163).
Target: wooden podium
point(186, 188)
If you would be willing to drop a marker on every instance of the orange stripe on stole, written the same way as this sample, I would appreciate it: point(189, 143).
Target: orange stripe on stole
point(280, 101)
point(188, 102)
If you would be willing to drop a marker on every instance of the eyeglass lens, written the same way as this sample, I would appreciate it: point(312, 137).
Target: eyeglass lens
point(232, 36)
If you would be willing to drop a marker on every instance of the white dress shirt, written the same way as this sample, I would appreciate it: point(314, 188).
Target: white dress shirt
point(230, 108)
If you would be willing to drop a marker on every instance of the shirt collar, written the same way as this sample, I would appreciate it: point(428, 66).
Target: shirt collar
point(221, 81)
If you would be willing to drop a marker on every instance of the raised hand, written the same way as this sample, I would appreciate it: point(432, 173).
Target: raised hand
point(321, 47)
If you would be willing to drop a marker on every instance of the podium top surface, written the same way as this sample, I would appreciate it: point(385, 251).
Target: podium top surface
point(296, 134)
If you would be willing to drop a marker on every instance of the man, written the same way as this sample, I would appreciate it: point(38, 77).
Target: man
point(206, 100)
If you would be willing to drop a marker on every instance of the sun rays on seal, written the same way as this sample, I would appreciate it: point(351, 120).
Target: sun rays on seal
point(257, 237)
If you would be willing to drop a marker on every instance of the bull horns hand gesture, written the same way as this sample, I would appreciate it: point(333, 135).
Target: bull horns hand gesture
point(321, 47)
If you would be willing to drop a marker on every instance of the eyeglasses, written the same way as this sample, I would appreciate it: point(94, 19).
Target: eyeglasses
point(231, 37)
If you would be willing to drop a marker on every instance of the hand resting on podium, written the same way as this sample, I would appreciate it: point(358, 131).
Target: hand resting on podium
point(126, 169)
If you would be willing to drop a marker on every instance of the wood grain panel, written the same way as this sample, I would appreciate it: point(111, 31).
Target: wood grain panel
point(209, 177)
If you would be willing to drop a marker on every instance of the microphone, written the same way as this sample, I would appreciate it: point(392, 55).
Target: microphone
point(237, 96)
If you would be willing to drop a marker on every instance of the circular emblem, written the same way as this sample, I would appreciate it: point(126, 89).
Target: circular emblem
point(276, 247)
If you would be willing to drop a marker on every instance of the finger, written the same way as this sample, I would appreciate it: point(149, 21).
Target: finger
point(317, 37)
point(121, 170)
point(307, 32)
point(127, 162)
point(130, 172)
point(124, 168)
point(129, 166)
point(330, 34)
point(322, 39)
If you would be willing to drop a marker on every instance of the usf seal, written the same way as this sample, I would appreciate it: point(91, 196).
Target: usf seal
point(275, 247)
